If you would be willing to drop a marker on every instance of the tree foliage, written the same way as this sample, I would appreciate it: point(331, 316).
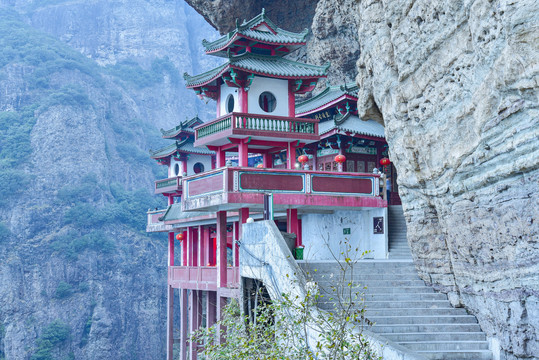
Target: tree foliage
point(280, 328)
point(52, 336)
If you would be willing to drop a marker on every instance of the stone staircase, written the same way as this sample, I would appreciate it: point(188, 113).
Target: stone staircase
point(398, 245)
point(405, 310)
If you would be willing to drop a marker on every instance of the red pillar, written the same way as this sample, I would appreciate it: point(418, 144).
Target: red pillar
point(184, 312)
point(290, 156)
point(183, 158)
point(267, 160)
point(242, 95)
point(170, 301)
point(170, 322)
point(192, 238)
point(194, 320)
point(170, 249)
point(291, 100)
point(220, 158)
point(221, 303)
point(292, 223)
point(243, 214)
point(243, 154)
point(185, 250)
point(211, 309)
point(221, 249)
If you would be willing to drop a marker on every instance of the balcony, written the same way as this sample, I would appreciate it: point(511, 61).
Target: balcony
point(262, 127)
point(231, 188)
point(171, 185)
point(155, 224)
point(201, 277)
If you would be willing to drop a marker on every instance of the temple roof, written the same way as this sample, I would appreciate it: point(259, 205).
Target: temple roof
point(354, 125)
point(184, 146)
point(271, 66)
point(259, 29)
point(327, 96)
point(174, 212)
point(185, 126)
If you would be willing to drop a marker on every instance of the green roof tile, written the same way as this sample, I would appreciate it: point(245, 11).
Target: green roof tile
point(184, 126)
point(174, 212)
point(329, 94)
point(185, 146)
point(354, 125)
point(265, 65)
point(246, 29)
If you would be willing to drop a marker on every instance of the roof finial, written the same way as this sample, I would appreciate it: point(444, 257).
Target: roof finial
point(263, 11)
point(237, 23)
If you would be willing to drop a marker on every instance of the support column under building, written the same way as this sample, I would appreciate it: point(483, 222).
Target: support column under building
point(221, 249)
point(184, 313)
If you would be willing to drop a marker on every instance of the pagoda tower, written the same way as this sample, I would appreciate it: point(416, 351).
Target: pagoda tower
point(255, 93)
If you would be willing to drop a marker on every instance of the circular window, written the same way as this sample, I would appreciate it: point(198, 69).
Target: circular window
point(230, 103)
point(177, 169)
point(198, 168)
point(267, 101)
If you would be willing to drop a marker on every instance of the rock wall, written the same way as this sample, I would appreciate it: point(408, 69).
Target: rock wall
point(455, 84)
point(84, 88)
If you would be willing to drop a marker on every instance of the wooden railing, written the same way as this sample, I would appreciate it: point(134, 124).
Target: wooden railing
point(201, 277)
point(258, 122)
point(214, 127)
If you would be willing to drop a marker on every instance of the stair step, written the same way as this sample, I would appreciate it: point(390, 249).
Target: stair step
point(327, 290)
point(415, 328)
point(457, 355)
point(434, 319)
point(416, 311)
point(406, 297)
point(436, 336)
point(430, 304)
point(445, 345)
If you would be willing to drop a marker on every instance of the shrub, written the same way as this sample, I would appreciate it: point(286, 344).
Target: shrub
point(69, 95)
point(63, 290)
point(84, 216)
point(88, 189)
point(72, 244)
point(53, 335)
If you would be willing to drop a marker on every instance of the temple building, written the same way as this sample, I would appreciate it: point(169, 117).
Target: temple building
point(255, 91)
point(265, 157)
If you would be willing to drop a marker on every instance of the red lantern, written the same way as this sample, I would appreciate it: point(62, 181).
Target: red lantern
point(179, 237)
point(260, 166)
point(303, 159)
point(384, 161)
point(340, 158)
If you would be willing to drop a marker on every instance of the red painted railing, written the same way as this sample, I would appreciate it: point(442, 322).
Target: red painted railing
point(258, 123)
point(201, 277)
point(229, 185)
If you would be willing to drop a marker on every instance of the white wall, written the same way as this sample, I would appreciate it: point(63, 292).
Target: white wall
point(172, 166)
point(194, 158)
point(225, 91)
point(278, 87)
point(322, 232)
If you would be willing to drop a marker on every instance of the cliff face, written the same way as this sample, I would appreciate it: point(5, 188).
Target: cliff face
point(84, 88)
point(455, 84)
